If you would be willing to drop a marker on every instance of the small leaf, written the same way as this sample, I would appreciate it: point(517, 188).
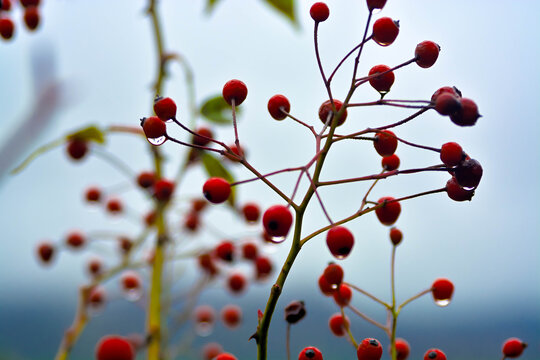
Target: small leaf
point(214, 168)
point(39, 151)
point(216, 110)
point(90, 133)
point(210, 5)
point(285, 7)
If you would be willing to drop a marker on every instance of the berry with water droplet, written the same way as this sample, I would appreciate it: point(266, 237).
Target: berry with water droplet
point(385, 31)
point(369, 349)
point(340, 241)
point(426, 53)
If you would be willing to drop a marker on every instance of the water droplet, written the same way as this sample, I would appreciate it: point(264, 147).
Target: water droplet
point(157, 141)
point(204, 328)
point(382, 43)
point(133, 294)
point(442, 302)
point(340, 257)
point(169, 121)
point(277, 239)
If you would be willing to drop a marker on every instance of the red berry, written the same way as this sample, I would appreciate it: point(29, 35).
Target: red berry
point(203, 136)
point(96, 298)
point(390, 163)
point(451, 154)
point(31, 17)
point(192, 222)
point(75, 240)
point(468, 173)
point(235, 90)
point(204, 314)
point(447, 104)
point(381, 83)
point(225, 251)
point(434, 354)
point(445, 90)
point(130, 281)
point(375, 4)
point(340, 241)
point(93, 194)
point(442, 290)
point(226, 356)
point(163, 190)
point(95, 267)
point(389, 212)
point(150, 218)
point(251, 212)
point(114, 206)
point(277, 220)
point(6, 5)
point(237, 283)
point(211, 350)
point(198, 205)
point(402, 348)
point(7, 28)
point(125, 244)
point(231, 316)
point(114, 348)
point(153, 127)
point(456, 192)
point(319, 12)
point(337, 324)
point(385, 143)
point(333, 274)
point(249, 251)
point(513, 347)
point(342, 295)
point(326, 108)
point(27, 3)
point(278, 106)
point(146, 179)
point(165, 108)
point(326, 288)
point(426, 53)
point(369, 349)
point(45, 251)
point(207, 264)
point(467, 115)
point(216, 190)
point(396, 236)
point(310, 353)
point(77, 148)
point(263, 267)
point(385, 31)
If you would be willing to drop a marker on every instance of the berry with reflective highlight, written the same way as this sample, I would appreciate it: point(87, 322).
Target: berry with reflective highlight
point(385, 31)
point(426, 53)
point(277, 220)
point(216, 190)
point(319, 12)
point(382, 83)
point(165, 108)
point(369, 349)
point(434, 354)
point(513, 347)
point(340, 241)
point(310, 353)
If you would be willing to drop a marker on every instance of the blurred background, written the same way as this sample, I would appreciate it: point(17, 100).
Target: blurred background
point(97, 62)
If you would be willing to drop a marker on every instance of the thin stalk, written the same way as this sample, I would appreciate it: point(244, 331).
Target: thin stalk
point(394, 312)
point(367, 318)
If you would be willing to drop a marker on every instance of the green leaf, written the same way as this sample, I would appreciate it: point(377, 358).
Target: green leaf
point(285, 8)
point(214, 168)
point(90, 133)
point(216, 110)
point(210, 5)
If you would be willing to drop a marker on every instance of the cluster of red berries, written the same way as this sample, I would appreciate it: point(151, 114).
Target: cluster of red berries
point(448, 101)
point(31, 17)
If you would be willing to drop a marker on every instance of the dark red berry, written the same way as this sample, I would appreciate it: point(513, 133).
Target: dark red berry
point(310, 353)
point(249, 251)
point(225, 251)
point(146, 179)
point(77, 148)
point(447, 104)
point(7, 28)
point(468, 173)
point(277, 220)
point(278, 106)
point(45, 252)
point(163, 190)
point(326, 288)
point(442, 290)
point(75, 239)
point(434, 354)
point(28, 3)
point(251, 212)
point(319, 12)
point(235, 156)
point(92, 194)
point(114, 348)
point(216, 190)
point(333, 275)
point(340, 241)
point(338, 324)
point(342, 295)
point(96, 298)
point(385, 31)
point(426, 53)
point(513, 347)
point(231, 316)
point(467, 115)
point(369, 349)
point(125, 244)
point(192, 222)
point(385, 143)
point(198, 205)
point(236, 283)
point(403, 349)
point(207, 264)
point(451, 154)
point(95, 267)
point(235, 90)
point(382, 83)
point(153, 127)
point(390, 163)
point(396, 236)
point(326, 109)
point(31, 17)
point(165, 108)
point(445, 89)
point(375, 4)
point(114, 206)
point(203, 136)
point(389, 212)
point(456, 192)
point(6, 5)
point(295, 311)
point(263, 267)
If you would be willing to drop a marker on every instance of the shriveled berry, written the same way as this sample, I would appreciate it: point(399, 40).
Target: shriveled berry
point(396, 236)
point(385, 31)
point(203, 136)
point(389, 212)
point(456, 192)
point(225, 251)
point(310, 353)
point(7, 28)
point(369, 349)
point(153, 127)
point(468, 173)
point(340, 241)
point(278, 106)
point(382, 83)
point(451, 154)
point(326, 109)
point(235, 90)
point(338, 324)
point(375, 4)
point(45, 252)
point(236, 283)
point(263, 267)
point(390, 163)
point(447, 104)
point(442, 290)
point(251, 212)
point(165, 108)
point(295, 311)
point(342, 295)
point(434, 354)
point(319, 12)
point(385, 143)
point(77, 148)
point(231, 316)
point(426, 53)
point(513, 347)
point(277, 220)
point(467, 115)
point(114, 347)
point(333, 274)
point(402, 348)
point(216, 190)
point(163, 189)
